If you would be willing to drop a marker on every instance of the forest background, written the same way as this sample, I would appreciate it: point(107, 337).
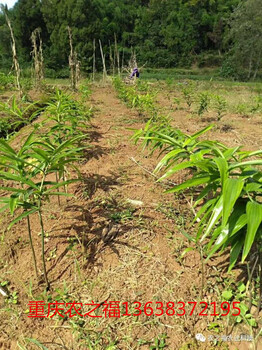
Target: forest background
point(226, 34)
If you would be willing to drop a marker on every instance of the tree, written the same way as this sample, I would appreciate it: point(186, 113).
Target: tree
point(26, 17)
point(246, 37)
point(5, 47)
point(163, 33)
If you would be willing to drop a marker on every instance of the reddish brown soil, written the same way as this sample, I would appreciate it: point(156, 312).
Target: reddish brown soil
point(233, 129)
point(130, 253)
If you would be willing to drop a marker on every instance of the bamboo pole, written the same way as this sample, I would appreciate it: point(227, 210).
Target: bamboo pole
point(74, 64)
point(13, 45)
point(77, 69)
point(117, 55)
point(111, 59)
point(114, 59)
point(37, 54)
point(123, 57)
point(94, 58)
point(41, 57)
point(71, 60)
point(103, 60)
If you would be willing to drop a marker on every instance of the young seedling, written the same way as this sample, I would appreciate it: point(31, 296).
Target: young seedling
point(220, 105)
point(19, 116)
point(203, 103)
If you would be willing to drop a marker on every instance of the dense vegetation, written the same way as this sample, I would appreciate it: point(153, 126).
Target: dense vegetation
point(163, 33)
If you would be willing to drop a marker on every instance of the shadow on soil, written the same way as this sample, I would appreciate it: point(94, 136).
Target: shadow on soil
point(98, 223)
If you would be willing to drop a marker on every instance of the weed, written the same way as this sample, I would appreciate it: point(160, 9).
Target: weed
point(160, 343)
point(256, 107)
point(242, 110)
point(7, 82)
point(177, 102)
point(122, 216)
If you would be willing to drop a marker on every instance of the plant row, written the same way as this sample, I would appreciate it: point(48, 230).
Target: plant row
point(226, 186)
point(33, 173)
point(227, 183)
point(205, 100)
point(136, 96)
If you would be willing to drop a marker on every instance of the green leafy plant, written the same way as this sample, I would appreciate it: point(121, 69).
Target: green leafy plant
point(187, 89)
point(85, 90)
point(204, 99)
point(242, 110)
point(177, 102)
point(229, 186)
point(122, 216)
point(256, 106)
point(28, 170)
point(220, 105)
point(144, 102)
point(19, 115)
point(24, 173)
point(160, 343)
point(6, 82)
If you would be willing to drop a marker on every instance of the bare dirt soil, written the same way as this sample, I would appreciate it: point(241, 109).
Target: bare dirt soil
point(131, 250)
point(234, 129)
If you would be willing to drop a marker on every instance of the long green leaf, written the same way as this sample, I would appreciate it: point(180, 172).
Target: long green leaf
point(176, 168)
point(7, 147)
point(250, 162)
point(166, 158)
point(223, 169)
point(36, 342)
point(254, 219)
point(216, 215)
point(235, 252)
point(12, 204)
point(231, 192)
point(196, 181)
point(22, 216)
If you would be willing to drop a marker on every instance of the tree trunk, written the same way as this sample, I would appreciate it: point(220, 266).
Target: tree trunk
point(257, 66)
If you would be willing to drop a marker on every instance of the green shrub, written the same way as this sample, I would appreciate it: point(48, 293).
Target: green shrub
point(220, 105)
point(7, 82)
point(209, 59)
point(203, 99)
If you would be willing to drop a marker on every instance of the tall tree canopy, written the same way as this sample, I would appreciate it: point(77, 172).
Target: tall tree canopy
point(164, 33)
point(246, 37)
